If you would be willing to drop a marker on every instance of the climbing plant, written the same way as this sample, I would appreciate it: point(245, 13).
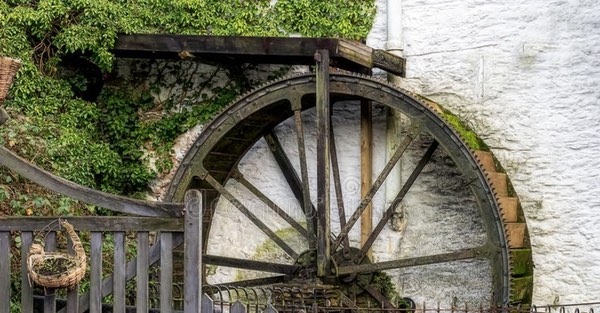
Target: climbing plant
point(101, 142)
point(108, 137)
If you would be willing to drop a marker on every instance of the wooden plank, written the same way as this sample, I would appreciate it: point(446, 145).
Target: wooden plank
point(356, 52)
point(143, 251)
point(323, 163)
point(95, 294)
point(243, 49)
point(50, 294)
point(166, 272)
point(389, 62)
point(95, 223)
point(119, 273)
point(366, 169)
point(238, 307)
point(192, 268)
point(207, 304)
point(26, 290)
point(85, 194)
point(4, 272)
point(72, 294)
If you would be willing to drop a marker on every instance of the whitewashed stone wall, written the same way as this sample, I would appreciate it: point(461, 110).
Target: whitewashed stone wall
point(526, 75)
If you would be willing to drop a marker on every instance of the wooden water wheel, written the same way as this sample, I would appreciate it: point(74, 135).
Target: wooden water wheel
point(465, 237)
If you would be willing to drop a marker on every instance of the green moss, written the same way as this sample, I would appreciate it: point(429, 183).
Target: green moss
point(469, 136)
point(522, 262)
point(522, 289)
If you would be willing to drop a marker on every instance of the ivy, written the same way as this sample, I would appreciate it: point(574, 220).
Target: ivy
point(106, 143)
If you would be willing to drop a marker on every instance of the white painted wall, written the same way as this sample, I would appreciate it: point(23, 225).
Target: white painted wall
point(526, 75)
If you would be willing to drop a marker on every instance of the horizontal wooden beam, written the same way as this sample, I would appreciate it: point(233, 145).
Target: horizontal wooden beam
point(95, 223)
point(346, 54)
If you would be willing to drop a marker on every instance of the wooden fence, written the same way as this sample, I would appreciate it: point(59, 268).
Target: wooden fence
point(119, 233)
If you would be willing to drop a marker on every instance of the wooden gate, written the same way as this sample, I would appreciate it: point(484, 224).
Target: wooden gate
point(110, 292)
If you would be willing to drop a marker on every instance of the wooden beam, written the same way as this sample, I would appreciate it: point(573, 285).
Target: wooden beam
point(345, 54)
point(95, 223)
point(323, 164)
point(366, 169)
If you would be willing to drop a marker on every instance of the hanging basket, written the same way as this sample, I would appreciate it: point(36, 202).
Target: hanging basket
point(57, 269)
point(8, 69)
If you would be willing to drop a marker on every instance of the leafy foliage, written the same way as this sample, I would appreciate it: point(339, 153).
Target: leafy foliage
point(106, 141)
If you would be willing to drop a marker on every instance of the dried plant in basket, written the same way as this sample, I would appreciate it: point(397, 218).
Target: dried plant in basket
point(57, 269)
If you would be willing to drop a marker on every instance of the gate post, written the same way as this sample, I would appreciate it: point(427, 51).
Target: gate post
point(192, 251)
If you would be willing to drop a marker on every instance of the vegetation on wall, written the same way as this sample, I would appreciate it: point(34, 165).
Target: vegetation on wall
point(101, 140)
point(99, 130)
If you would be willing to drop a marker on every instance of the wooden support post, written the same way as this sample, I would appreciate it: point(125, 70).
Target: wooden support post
point(323, 163)
point(366, 168)
point(192, 251)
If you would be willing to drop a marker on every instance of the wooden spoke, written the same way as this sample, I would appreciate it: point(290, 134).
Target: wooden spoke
point(410, 262)
point(257, 281)
point(307, 206)
point(272, 235)
point(237, 175)
point(250, 264)
point(405, 188)
point(376, 185)
point(292, 179)
point(337, 183)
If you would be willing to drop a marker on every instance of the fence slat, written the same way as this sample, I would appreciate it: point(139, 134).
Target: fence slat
point(95, 298)
point(73, 293)
point(207, 304)
point(192, 252)
point(50, 295)
point(26, 290)
point(143, 251)
point(119, 273)
point(238, 307)
point(166, 272)
point(5, 272)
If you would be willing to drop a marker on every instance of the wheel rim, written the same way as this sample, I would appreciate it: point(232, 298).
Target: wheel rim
point(214, 158)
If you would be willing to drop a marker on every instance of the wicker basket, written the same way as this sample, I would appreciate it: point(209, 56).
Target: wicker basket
point(8, 69)
point(57, 269)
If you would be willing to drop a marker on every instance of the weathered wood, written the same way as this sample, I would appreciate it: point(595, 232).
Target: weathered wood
point(366, 168)
point(72, 305)
point(387, 214)
point(378, 182)
point(119, 280)
point(50, 301)
point(26, 290)
point(238, 307)
point(250, 264)
point(5, 272)
point(337, 183)
point(237, 175)
point(143, 247)
point(107, 284)
point(207, 304)
point(192, 268)
point(50, 295)
point(346, 54)
point(88, 195)
point(95, 294)
point(95, 223)
point(250, 216)
point(389, 62)
point(323, 163)
point(166, 272)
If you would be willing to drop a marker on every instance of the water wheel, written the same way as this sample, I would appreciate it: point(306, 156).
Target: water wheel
point(283, 173)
